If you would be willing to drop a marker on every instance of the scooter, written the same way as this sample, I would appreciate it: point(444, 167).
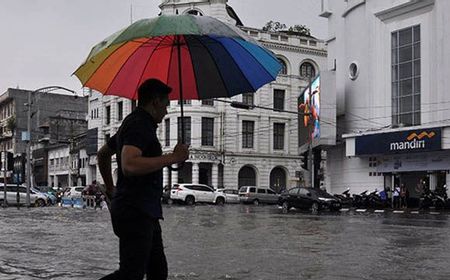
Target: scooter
point(359, 200)
point(373, 200)
point(427, 200)
point(345, 198)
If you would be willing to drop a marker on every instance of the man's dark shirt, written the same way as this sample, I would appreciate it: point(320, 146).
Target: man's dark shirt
point(144, 192)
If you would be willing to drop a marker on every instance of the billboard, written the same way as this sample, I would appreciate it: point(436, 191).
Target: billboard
point(309, 109)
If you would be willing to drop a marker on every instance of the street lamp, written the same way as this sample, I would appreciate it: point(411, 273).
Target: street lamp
point(28, 137)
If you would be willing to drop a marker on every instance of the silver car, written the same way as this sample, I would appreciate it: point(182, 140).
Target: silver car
point(257, 195)
point(231, 195)
point(36, 198)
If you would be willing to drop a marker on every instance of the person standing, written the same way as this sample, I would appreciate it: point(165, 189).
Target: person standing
point(136, 203)
point(396, 196)
point(403, 196)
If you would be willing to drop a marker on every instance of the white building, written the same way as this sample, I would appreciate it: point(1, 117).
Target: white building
point(389, 63)
point(232, 147)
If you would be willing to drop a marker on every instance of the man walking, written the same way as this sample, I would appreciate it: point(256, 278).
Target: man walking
point(136, 204)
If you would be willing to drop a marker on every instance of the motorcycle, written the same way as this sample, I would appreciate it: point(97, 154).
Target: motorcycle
point(345, 198)
point(427, 199)
point(359, 200)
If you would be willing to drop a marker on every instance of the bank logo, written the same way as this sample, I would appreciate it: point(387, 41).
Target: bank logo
point(414, 142)
point(421, 135)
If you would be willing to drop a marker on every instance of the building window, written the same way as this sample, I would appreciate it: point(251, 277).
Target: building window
point(167, 127)
point(185, 102)
point(207, 131)
point(248, 98)
point(108, 114)
point(278, 99)
point(187, 130)
point(194, 12)
point(406, 73)
point(120, 110)
point(247, 134)
point(278, 136)
point(283, 70)
point(307, 70)
point(372, 162)
point(208, 102)
point(107, 137)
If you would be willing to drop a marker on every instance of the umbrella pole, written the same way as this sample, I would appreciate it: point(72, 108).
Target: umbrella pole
point(178, 43)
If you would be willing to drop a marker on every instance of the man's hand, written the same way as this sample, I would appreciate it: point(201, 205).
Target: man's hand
point(181, 152)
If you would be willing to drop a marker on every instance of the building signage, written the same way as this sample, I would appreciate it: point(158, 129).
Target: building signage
point(400, 142)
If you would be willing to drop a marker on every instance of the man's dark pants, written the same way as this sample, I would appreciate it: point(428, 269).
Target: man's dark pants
point(141, 247)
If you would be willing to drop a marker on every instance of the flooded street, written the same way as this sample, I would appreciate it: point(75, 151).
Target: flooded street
point(231, 242)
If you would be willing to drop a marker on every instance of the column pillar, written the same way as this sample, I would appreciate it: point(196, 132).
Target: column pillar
point(175, 175)
point(55, 180)
point(433, 181)
point(165, 176)
point(195, 173)
point(215, 175)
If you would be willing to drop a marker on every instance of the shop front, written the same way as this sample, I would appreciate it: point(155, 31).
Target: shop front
point(412, 158)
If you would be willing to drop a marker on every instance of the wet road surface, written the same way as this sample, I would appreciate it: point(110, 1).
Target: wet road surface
point(231, 242)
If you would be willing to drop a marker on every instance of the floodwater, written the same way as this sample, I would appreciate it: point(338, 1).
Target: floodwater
point(231, 242)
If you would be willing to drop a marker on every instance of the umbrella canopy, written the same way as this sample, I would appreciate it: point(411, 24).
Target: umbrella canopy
point(200, 57)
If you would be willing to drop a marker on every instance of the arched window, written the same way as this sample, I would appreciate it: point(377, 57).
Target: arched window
point(278, 179)
point(194, 12)
point(307, 70)
point(247, 176)
point(283, 67)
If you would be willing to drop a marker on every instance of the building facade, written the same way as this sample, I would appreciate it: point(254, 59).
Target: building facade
point(389, 62)
point(13, 119)
point(231, 147)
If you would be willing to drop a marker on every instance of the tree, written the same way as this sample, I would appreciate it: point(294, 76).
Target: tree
point(301, 30)
point(274, 26)
point(11, 124)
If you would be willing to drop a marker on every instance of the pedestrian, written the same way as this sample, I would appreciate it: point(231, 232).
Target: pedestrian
point(403, 196)
point(136, 204)
point(396, 195)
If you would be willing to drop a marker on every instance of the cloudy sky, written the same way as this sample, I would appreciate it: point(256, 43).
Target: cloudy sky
point(44, 41)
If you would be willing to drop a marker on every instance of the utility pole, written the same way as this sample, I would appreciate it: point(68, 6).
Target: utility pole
point(28, 139)
point(28, 136)
point(70, 162)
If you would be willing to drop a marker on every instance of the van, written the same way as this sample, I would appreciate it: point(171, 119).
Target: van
point(257, 195)
point(36, 198)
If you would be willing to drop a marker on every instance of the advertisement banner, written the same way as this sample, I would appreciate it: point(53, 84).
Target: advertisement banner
point(421, 140)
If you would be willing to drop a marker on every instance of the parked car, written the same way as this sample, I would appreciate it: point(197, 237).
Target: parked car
point(192, 193)
point(49, 192)
point(74, 192)
point(308, 198)
point(231, 195)
point(166, 196)
point(256, 195)
point(36, 198)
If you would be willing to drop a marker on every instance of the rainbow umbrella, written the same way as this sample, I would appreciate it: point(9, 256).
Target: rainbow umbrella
point(200, 57)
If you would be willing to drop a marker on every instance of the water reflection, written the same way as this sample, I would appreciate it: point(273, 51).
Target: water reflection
point(231, 242)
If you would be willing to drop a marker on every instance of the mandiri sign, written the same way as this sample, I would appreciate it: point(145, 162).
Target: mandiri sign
point(400, 142)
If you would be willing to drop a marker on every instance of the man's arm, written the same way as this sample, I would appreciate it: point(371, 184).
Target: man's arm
point(104, 164)
point(134, 164)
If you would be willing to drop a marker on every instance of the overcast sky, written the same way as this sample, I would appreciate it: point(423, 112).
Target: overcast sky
point(44, 41)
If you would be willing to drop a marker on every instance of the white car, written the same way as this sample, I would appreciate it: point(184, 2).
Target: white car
point(192, 193)
point(231, 195)
point(74, 192)
point(36, 198)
